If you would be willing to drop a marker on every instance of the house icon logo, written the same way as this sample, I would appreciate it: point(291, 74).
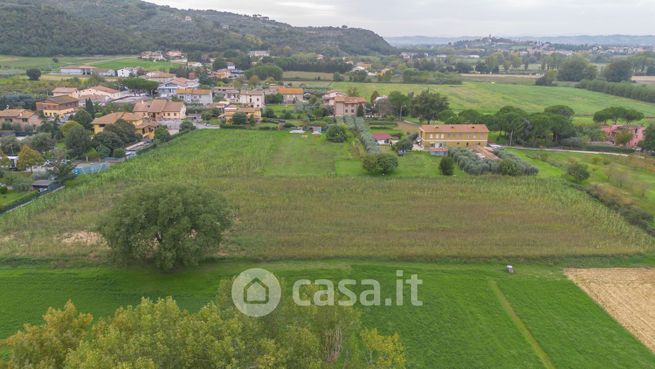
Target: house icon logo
point(256, 292)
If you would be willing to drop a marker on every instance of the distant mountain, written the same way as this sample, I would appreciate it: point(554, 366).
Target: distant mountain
point(76, 27)
point(606, 40)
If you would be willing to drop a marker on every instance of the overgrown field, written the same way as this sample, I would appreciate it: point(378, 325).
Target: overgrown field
point(302, 197)
point(489, 97)
point(472, 316)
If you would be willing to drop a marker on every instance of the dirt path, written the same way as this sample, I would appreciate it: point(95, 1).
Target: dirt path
point(628, 295)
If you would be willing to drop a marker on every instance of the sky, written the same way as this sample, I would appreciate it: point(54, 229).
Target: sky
point(451, 17)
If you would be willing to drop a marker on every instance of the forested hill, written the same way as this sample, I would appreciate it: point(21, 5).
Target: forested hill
point(77, 27)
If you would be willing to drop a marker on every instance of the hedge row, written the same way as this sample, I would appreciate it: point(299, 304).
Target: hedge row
point(525, 168)
point(360, 128)
point(472, 164)
point(623, 89)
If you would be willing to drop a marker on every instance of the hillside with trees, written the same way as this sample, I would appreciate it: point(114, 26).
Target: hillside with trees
point(79, 27)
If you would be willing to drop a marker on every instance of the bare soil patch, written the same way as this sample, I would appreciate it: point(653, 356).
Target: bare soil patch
point(628, 295)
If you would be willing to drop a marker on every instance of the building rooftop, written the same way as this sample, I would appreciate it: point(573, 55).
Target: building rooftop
point(454, 128)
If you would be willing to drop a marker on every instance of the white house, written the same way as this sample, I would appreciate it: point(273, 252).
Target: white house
point(196, 96)
point(82, 70)
point(253, 99)
point(127, 72)
point(170, 88)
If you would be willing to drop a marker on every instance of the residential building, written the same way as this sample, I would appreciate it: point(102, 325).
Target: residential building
point(127, 72)
point(453, 135)
point(23, 117)
point(65, 91)
point(229, 93)
point(222, 74)
point(196, 96)
point(252, 99)
point(382, 138)
point(638, 133)
point(161, 110)
point(330, 96)
point(258, 54)
point(58, 106)
point(106, 72)
point(110, 93)
point(161, 77)
point(230, 111)
point(143, 126)
point(170, 87)
point(152, 55)
point(82, 70)
point(291, 95)
point(175, 54)
point(347, 106)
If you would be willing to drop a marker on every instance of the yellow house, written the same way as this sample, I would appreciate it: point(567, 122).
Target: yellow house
point(143, 126)
point(453, 135)
point(58, 106)
point(161, 110)
point(250, 112)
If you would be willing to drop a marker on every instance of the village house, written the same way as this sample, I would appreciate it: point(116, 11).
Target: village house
point(161, 110)
point(347, 106)
point(196, 96)
point(291, 95)
point(253, 99)
point(175, 54)
point(330, 96)
point(230, 94)
point(382, 138)
point(127, 72)
point(23, 117)
point(144, 126)
point(638, 133)
point(441, 136)
point(170, 87)
point(222, 74)
point(230, 111)
point(161, 77)
point(106, 72)
point(258, 54)
point(82, 70)
point(99, 90)
point(152, 55)
point(58, 106)
point(66, 91)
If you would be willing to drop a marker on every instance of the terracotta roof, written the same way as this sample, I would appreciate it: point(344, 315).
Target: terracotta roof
point(381, 136)
point(456, 128)
point(350, 99)
point(16, 113)
point(103, 89)
point(158, 106)
point(64, 90)
point(290, 91)
point(64, 99)
point(115, 117)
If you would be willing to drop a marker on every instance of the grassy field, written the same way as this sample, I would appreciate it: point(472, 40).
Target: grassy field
point(18, 64)
point(415, 214)
point(489, 97)
point(308, 76)
point(473, 316)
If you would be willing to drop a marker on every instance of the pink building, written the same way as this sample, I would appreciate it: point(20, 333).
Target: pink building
point(638, 133)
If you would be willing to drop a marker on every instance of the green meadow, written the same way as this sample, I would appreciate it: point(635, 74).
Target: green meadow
point(18, 64)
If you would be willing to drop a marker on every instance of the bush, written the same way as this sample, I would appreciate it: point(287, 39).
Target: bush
point(578, 172)
point(337, 133)
point(472, 164)
point(447, 166)
point(508, 167)
point(3, 189)
point(119, 153)
point(380, 164)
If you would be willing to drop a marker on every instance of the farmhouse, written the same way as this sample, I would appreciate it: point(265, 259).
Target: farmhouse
point(65, 91)
point(143, 126)
point(110, 93)
point(160, 77)
point(253, 99)
point(453, 135)
point(638, 133)
point(382, 138)
point(170, 87)
point(57, 106)
point(127, 72)
point(82, 70)
point(196, 96)
point(23, 117)
point(161, 110)
point(222, 74)
point(291, 95)
point(348, 105)
point(329, 98)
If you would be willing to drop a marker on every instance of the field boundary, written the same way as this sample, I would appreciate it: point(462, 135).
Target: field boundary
point(507, 306)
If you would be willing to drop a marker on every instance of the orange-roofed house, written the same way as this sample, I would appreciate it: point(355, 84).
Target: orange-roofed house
point(58, 106)
point(440, 136)
point(99, 90)
point(291, 95)
point(346, 106)
point(161, 110)
point(23, 117)
point(143, 126)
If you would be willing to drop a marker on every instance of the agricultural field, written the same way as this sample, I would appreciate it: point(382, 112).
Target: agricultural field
point(308, 76)
point(18, 64)
point(473, 316)
point(489, 97)
point(413, 214)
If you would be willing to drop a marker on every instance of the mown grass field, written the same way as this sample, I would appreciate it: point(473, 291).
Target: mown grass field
point(334, 210)
point(489, 97)
point(19, 64)
point(473, 316)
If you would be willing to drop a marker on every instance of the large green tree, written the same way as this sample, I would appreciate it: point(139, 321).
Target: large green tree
point(168, 225)
point(576, 69)
point(427, 105)
point(619, 71)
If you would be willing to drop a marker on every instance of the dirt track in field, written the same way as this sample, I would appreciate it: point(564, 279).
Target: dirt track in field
point(628, 294)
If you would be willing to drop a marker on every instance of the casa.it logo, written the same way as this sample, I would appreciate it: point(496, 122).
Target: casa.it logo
point(256, 292)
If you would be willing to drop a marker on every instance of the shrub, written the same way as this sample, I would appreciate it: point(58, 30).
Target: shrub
point(447, 166)
point(337, 133)
point(380, 164)
point(578, 172)
point(472, 164)
point(119, 153)
point(3, 189)
point(508, 167)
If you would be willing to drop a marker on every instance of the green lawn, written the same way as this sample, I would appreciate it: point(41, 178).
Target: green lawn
point(307, 198)
point(11, 197)
point(489, 97)
point(20, 63)
point(472, 315)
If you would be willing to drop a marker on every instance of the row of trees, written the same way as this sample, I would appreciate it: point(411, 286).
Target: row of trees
point(623, 89)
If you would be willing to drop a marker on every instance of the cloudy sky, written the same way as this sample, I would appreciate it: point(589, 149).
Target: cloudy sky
point(452, 17)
